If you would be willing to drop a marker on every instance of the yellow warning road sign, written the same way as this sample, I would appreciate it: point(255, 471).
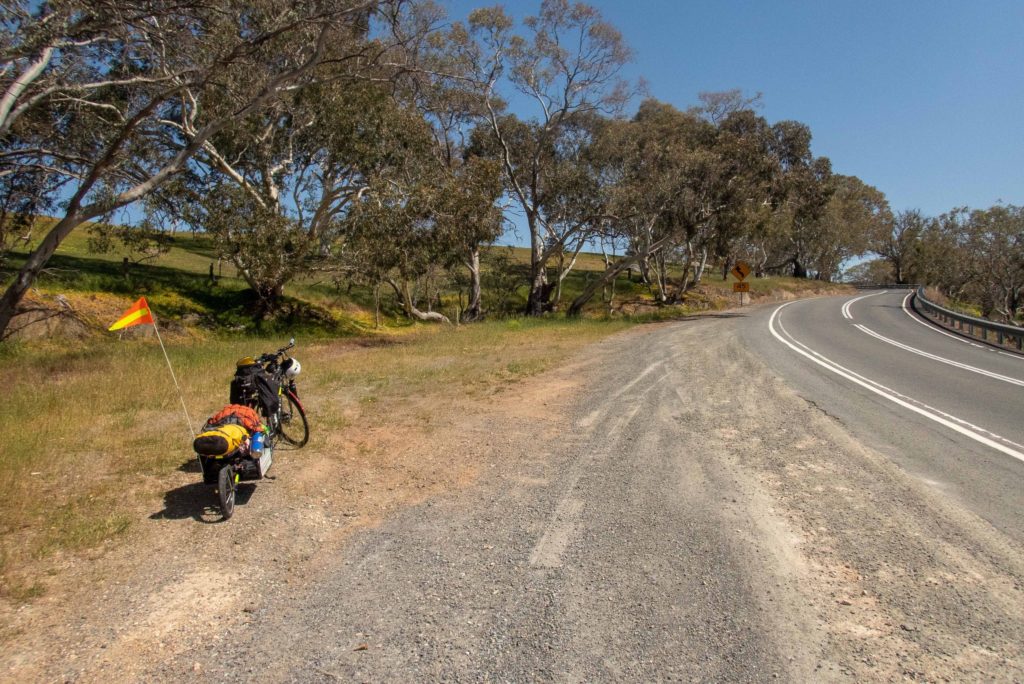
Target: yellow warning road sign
point(741, 287)
point(740, 271)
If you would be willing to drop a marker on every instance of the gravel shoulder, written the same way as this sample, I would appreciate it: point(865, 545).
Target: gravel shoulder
point(663, 507)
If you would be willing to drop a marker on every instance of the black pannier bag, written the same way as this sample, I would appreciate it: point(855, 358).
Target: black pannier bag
point(252, 386)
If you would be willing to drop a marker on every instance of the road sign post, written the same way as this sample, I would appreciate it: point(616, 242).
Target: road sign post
point(740, 271)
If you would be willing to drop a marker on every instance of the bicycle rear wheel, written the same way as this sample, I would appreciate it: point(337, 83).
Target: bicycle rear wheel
point(292, 425)
point(226, 490)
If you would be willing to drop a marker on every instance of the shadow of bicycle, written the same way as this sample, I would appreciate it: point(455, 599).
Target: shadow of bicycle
point(199, 502)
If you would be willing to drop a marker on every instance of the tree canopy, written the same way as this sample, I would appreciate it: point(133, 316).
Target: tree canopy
point(374, 140)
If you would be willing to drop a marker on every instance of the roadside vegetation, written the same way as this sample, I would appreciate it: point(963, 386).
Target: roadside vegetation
point(973, 259)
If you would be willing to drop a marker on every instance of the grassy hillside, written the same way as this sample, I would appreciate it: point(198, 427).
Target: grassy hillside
point(179, 289)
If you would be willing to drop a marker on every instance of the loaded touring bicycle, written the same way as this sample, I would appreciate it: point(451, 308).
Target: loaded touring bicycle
point(237, 444)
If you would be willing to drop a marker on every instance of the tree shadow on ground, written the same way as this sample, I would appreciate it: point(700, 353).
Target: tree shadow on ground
point(199, 502)
point(694, 317)
point(714, 315)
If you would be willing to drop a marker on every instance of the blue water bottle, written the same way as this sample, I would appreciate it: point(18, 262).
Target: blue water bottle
point(256, 447)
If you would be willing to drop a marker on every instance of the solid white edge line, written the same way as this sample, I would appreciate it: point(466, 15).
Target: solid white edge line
point(894, 393)
point(931, 327)
point(935, 329)
point(940, 359)
point(831, 366)
point(847, 313)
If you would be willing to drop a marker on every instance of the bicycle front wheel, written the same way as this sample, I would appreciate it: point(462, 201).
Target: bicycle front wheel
point(292, 424)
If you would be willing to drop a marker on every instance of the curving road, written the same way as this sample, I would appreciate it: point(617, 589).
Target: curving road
point(944, 408)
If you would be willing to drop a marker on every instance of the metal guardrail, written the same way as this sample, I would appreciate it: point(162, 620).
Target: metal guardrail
point(1005, 335)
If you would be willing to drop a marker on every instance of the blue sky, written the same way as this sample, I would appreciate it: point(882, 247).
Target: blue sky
point(923, 100)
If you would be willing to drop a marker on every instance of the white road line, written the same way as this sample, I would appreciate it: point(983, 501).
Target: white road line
point(934, 328)
point(947, 420)
point(904, 397)
point(940, 359)
point(846, 307)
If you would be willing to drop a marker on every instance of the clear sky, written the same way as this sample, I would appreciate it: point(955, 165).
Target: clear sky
point(922, 99)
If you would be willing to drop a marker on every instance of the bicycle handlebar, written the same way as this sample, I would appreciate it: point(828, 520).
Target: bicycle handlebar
point(280, 352)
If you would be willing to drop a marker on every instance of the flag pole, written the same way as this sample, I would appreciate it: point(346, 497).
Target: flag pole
point(170, 368)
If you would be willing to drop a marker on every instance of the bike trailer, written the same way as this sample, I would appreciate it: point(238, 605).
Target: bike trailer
point(247, 465)
point(229, 436)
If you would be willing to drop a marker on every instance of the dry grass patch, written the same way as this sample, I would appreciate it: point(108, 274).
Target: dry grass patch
point(94, 433)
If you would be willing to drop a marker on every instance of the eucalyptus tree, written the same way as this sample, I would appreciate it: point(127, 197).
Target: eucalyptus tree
point(944, 256)
point(898, 242)
point(746, 190)
point(568, 66)
point(679, 187)
point(275, 188)
point(854, 213)
point(105, 101)
point(639, 169)
point(803, 191)
point(997, 241)
point(716, 106)
point(419, 221)
point(870, 272)
point(452, 108)
point(974, 256)
point(668, 196)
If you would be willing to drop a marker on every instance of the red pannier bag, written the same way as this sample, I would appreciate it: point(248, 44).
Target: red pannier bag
point(238, 415)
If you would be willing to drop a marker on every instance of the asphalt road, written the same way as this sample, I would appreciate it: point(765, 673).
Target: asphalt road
point(946, 409)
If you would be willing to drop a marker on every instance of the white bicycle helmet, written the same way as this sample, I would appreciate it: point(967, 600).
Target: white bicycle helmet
point(292, 368)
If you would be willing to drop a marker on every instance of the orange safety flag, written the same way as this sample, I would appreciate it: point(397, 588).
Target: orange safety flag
point(138, 314)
